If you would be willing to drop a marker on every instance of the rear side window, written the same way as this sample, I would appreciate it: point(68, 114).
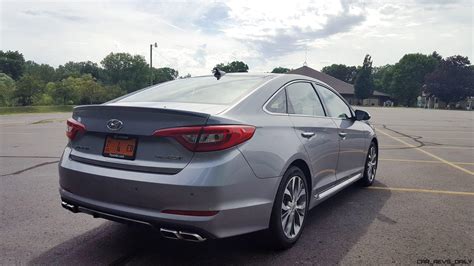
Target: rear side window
point(278, 103)
point(335, 105)
point(303, 100)
point(207, 90)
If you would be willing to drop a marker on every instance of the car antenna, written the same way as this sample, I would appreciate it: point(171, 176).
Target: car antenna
point(218, 73)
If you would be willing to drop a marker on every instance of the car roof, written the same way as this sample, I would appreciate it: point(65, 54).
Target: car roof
point(273, 75)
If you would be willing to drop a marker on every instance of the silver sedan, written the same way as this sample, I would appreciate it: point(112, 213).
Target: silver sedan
point(209, 157)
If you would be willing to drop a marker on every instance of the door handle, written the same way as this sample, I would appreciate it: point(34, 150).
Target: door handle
point(307, 135)
point(342, 134)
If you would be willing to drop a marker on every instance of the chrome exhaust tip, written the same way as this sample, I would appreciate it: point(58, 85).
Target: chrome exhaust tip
point(171, 234)
point(191, 237)
point(69, 207)
point(180, 235)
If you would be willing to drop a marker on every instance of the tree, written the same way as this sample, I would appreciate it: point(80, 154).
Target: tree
point(91, 92)
point(7, 87)
point(127, 71)
point(43, 72)
point(11, 63)
point(70, 69)
point(164, 74)
point(364, 82)
point(185, 76)
point(77, 69)
point(80, 90)
point(437, 56)
point(342, 72)
point(452, 81)
point(235, 66)
point(280, 70)
point(65, 91)
point(383, 78)
point(27, 88)
point(113, 91)
point(408, 77)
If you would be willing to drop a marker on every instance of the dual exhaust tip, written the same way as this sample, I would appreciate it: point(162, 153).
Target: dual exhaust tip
point(180, 235)
point(167, 233)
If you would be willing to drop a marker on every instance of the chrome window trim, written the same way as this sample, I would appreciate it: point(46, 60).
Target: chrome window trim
point(315, 116)
point(270, 99)
point(340, 97)
point(296, 115)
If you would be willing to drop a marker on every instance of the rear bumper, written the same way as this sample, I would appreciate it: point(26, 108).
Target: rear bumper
point(227, 185)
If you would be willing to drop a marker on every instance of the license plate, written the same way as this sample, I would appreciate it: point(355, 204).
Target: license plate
point(121, 147)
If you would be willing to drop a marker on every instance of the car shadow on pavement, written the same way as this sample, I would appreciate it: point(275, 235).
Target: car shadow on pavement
point(332, 229)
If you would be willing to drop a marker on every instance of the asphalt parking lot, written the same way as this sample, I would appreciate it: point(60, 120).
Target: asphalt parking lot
point(421, 208)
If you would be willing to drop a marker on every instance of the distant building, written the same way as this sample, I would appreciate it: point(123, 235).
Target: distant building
point(430, 101)
point(344, 88)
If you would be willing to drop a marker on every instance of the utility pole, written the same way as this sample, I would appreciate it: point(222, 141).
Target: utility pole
point(151, 62)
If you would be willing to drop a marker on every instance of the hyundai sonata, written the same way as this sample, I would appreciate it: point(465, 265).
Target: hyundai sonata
point(209, 157)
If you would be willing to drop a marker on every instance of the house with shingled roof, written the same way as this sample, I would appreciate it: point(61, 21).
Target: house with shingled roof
point(344, 88)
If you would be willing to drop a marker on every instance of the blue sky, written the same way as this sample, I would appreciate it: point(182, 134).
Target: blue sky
point(193, 36)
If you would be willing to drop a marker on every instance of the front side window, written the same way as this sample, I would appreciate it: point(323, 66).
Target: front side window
point(335, 105)
point(303, 100)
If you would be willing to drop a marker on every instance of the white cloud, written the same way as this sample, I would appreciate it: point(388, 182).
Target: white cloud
point(194, 36)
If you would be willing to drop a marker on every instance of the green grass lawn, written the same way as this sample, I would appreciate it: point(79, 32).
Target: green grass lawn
point(35, 109)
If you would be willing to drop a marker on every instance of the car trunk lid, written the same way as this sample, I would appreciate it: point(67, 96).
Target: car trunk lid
point(136, 126)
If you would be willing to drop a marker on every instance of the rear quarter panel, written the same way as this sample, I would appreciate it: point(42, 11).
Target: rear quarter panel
point(274, 145)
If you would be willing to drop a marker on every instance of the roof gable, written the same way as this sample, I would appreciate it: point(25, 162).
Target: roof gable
point(337, 84)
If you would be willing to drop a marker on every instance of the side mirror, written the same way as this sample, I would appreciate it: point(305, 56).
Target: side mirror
point(361, 115)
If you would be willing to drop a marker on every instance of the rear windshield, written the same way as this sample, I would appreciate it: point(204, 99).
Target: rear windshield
point(207, 90)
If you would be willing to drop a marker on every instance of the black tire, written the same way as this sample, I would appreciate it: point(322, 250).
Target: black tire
point(279, 240)
point(369, 173)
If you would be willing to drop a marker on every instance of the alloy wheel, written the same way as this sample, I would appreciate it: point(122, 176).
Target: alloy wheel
point(372, 163)
point(293, 206)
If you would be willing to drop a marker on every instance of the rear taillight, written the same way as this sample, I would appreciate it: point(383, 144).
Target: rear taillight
point(74, 127)
point(208, 138)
